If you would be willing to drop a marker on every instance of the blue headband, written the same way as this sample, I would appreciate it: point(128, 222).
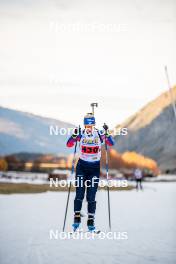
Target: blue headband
point(89, 120)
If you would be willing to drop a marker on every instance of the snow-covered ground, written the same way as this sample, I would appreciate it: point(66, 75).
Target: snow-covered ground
point(148, 217)
point(162, 178)
point(23, 177)
point(42, 178)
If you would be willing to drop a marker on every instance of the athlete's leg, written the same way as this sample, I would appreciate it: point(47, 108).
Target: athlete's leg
point(80, 188)
point(137, 184)
point(93, 176)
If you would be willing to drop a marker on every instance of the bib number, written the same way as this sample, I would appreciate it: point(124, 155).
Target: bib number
point(90, 150)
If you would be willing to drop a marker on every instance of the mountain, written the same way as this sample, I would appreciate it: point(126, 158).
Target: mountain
point(24, 132)
point(152, 132)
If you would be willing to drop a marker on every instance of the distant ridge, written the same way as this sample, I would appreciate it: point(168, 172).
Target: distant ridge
point(152, 132)
point(25, 132)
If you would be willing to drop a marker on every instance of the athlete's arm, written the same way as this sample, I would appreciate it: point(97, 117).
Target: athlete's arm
point(75, 137)
point(109, 140)
point(107, 137)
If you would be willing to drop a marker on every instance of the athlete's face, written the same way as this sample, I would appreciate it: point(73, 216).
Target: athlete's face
point(89, 128)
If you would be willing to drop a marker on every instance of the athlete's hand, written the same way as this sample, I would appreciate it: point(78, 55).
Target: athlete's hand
point(105, 127)
point(76, 132)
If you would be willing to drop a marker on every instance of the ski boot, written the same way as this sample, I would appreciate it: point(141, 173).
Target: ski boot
point(91, 225)
point(77, 221)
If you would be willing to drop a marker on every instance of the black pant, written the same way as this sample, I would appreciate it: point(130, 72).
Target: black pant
point(87, 173)
point(138, 184)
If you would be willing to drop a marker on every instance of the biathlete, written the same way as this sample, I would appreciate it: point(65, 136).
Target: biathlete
point(138, 175)
point(88, 167)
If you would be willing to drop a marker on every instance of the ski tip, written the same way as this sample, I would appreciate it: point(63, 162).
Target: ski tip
point(94, 231)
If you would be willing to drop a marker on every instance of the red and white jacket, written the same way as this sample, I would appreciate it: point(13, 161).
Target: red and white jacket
point(90, 144)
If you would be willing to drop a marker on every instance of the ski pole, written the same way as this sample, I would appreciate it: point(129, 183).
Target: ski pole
point(170, 89)
point(107, 177)
point(69, 189)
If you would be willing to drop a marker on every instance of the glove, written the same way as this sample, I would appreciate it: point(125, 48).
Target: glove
point(105, 127)
point(76, 132)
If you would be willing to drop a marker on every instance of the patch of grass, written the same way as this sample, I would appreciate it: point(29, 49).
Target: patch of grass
point(12, 188)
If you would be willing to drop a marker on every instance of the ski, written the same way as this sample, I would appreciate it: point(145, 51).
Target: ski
point(81, 231)
point(94, 232)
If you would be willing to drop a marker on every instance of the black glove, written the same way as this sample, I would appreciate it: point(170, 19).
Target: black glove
point(76, 132)
point(105, 127)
